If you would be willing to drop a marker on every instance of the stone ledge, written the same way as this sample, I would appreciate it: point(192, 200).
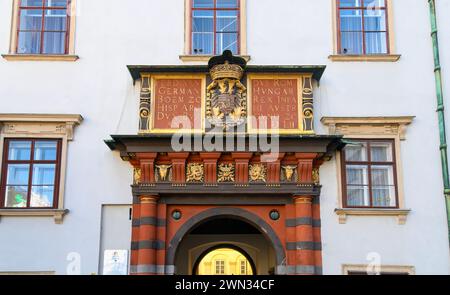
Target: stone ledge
point(365, 58)
point(40, 57)
point(57, 214)
point(205, 58)
point(401, 214)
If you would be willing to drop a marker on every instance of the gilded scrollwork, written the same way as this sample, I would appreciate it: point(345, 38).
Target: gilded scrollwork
point(195, 172)
point(225, 173)
point(144, 106)
point(307, 105)
point(257, 172)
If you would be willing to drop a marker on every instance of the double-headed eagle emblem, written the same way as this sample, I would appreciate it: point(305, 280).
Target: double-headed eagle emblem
point(226, 98)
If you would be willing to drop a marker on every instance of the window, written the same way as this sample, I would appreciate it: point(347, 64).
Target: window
point(215, 26)
point(220, 267)
point(30, 173)
point(363, 27)
point(43, 27)
point(243, 267)
point(369, 176)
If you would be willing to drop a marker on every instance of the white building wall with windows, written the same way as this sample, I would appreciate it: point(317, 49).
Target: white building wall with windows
point(111, 34)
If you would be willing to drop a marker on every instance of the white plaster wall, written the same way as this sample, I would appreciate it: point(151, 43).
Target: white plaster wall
point(111, 34)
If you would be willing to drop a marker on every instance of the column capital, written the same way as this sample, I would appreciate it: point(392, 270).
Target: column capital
point(303, 199)
point(148, 199)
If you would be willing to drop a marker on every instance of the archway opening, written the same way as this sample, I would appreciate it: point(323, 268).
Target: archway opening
point(225, 245)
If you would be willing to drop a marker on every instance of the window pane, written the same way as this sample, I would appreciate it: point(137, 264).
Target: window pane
point(56, 3)
point(202, 43)
point(31, 3)
point(357, 196)
point(356, 151)
point(351, 20)
point(42, 196)
point(227, 21)
point(203, 32)
point(382, 175)
point(376, 43)
point(31, 19)
point(19, 150)
point(29, 43)
point(374, 20)
point(374, 3)
point(227, 3)
point(16, 196)
point(350, 3)
point(55, 20)
point(383, 188)
point(381, 151)
point(44, 174)
point(351, 43)
point(203, 21)
point(54, 43)
point(18, 174)
point(226, 41)
point(45, 150)
point(203, 3)
point(357, 174)
point(383, 196)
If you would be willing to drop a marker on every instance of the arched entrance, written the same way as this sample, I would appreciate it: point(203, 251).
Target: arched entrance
point(224, 259)
point(234, 227)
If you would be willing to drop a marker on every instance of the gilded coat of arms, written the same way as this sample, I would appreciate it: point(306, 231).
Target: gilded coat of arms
point(226, 97)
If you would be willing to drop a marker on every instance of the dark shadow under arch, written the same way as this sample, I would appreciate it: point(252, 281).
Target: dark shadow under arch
point(226, 212)
point(224, 246)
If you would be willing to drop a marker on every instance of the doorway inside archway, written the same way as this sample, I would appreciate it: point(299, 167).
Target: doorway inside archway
point(225, 246)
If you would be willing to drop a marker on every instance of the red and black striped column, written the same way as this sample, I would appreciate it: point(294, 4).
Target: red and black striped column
point(304, 246)
point(145, 243)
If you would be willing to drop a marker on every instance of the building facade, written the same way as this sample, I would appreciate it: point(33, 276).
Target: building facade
point(116, 119)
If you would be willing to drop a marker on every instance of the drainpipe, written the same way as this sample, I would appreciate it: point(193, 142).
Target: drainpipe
point(440, 110)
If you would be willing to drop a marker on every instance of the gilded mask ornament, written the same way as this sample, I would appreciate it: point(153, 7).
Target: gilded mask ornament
point(257, 172)
point(163, 172)
point(316, 175)
point(226, 96)
point(137, 176)
point(289, 172)
point(195, 172)
point(225, 173)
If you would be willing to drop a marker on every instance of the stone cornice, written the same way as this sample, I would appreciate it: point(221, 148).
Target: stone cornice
point(42, 118)
point(368, 125)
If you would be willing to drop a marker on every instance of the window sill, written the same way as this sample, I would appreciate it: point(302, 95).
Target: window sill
point(401, 214)
point(366, 58)
point(205, 58)
point(57, 214)
point(40, 57)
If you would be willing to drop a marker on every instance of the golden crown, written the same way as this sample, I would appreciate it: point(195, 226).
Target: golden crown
point(231, 71)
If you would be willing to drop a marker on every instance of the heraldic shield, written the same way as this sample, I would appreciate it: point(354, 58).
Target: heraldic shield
point(226, 98)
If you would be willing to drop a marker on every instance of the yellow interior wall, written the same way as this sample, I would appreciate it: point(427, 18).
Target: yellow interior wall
point(232, 260)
